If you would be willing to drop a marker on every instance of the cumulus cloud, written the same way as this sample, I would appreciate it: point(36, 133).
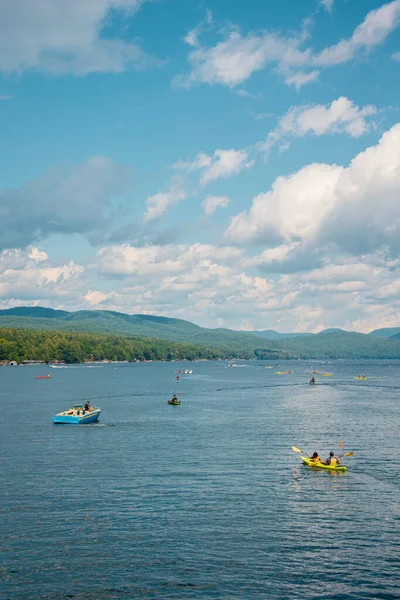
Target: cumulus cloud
point(149, 261)
point(340, 116)
point(61, 37)
point(292, 210)
point(62, 200)
point(211, 203)
point(222, 164)
point(354, 208)
point(28, 276)
point(216, 286)
point(210, 285)
point(158, 204)
point(234, 59)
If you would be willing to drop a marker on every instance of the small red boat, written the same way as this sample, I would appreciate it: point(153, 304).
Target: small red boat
point(43, 376)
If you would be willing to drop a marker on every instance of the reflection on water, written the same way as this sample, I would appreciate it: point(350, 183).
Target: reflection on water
point(206, 500)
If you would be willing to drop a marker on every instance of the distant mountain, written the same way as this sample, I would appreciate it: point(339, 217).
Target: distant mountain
point(34, 311)
point(386, 332)
point(396, 336)
point(337, 344)
point(330, 330)
point(271, 334)
point(331, 343)
point(102, 321)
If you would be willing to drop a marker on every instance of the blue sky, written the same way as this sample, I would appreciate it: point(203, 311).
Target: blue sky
point(234, 164)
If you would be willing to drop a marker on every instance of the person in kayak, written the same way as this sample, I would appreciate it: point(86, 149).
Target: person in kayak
point(312, 380)
point(333, 460)
point(174, 398)
point(315, 457)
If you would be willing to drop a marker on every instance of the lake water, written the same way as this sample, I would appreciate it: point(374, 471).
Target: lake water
point(202, 500)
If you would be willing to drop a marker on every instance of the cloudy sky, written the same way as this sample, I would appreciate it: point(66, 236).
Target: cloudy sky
point(232, 163)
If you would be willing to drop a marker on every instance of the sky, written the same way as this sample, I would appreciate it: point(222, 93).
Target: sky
point(235, 164)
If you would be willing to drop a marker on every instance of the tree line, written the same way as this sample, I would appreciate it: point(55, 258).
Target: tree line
point(29, 344)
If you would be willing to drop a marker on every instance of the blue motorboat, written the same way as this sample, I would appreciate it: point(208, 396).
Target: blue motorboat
point(77, 415)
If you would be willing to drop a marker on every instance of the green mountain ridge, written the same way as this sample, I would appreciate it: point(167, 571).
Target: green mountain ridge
point(331, 343)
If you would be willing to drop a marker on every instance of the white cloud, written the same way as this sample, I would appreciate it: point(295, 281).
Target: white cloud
point(396, 56)
point(150, 261)
point(94, 298)
point(222, 164)
point(355, 208)
point(373, 31)
point(211, 203)
point(64, 200)
point(29, 276)
point(6, 97)
point(326, 4)
point(234, 59)
point(58, 37)
point(192, 37)
point(158, 204)
point(212, 286)
point(341, 116)
point(291, 211)
point(300, 78)
point(201, 161)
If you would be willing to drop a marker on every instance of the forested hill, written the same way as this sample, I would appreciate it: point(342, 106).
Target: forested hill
point(93, 321)
point(340, 344)
point(328, 344)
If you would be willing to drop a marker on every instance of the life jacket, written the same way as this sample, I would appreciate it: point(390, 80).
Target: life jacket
point(333, 461)
point(317, 459)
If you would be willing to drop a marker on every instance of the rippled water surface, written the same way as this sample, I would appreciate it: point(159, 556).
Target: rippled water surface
point(202, 500)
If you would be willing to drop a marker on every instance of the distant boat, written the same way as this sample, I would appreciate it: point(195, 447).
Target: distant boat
point(77, 415)
point(232, 364)
point(361, 378)
point(188, 372)
point(174, 402)
point(326, 374)
point(43, 376)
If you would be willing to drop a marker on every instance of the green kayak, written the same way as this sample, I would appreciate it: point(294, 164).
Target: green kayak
point(318, 465)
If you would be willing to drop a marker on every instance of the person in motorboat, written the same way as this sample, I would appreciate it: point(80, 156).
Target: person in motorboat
point(315, 457)
point(312, 380)
point(87, 406)
point(333, 460)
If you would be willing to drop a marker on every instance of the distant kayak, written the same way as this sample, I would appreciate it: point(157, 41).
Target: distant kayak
point(359, 378)
point(318, 465)
point(326, 374)
point(174, 402)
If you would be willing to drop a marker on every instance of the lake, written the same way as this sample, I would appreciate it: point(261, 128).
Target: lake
point(206, 499)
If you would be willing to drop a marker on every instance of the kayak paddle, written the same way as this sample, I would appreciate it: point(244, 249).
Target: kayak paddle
point(298, 450)
point(301, 452)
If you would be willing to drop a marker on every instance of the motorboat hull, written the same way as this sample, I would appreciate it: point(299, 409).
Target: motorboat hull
point(82, 419)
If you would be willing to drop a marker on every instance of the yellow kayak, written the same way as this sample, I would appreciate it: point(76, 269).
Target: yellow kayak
point(361, 378)
point(326, 374)
point(318, 465)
